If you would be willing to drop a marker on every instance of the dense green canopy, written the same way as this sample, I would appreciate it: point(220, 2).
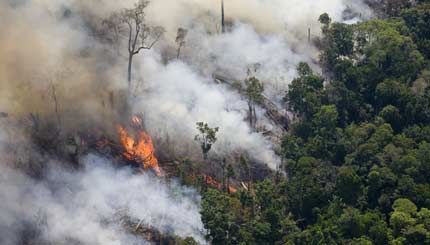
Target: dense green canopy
point(357, 157)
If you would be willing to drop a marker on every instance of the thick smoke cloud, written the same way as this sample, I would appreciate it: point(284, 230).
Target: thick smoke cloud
point(84, 72)
point(86, 206)
point(268, 38)
point(45, 50)
point(188, 98)
point(55, 64)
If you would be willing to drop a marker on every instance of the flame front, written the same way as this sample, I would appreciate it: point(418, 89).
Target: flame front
point(215, 184)
point(141, 151)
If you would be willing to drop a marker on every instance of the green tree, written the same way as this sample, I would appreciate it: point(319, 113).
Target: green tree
point(186, 241)
point(348, 185)
point(423, 156)
point(303, 96)
point(206, 137)
point(390, 92)
point(389, 54)
point(307, 187)
point(218, 218)
point(292, 147)
point(418, 21)
point(325, 121)
point(391, 115)
point(324, 19)
point(394, 7)
point(254, 92)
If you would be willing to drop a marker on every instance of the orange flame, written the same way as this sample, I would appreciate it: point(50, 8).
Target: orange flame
point(136, 121)
point(215, 184)
point(141, 151)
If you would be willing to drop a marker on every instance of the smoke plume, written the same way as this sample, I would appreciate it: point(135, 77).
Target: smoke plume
point(59, 66)
point(56, 64)
point(87, 206)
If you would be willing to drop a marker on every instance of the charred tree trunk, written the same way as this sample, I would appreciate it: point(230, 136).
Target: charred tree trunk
point(254, 118)
point(252, 115)
point(179, 52)
point(130, 64)
point(222, 17)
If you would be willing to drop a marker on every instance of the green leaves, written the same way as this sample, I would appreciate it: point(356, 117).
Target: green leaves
point(348, 185)
point(358, 155)
point(304, 94)
point(206, 137)
point(254, 90)
point(404, 205)
point(418, 21)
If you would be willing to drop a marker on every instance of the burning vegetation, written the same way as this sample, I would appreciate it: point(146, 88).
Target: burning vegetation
point(81, 137)
point(142, 150)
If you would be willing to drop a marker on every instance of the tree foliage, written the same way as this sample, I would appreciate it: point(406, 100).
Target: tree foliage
point(357, 157)
point(206, 137)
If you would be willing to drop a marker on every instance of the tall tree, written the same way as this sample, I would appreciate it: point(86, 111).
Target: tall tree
point(206, 137)
point(180, 40)
point(222, 17)
point(254, 91)
point(304, 92)
point(131, 25)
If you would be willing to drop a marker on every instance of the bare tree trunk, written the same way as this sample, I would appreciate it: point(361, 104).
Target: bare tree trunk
point(54, 97)
point(130, 63)
point(222, 17)
point(179, 52)
point(254, 116)
point(250, 115)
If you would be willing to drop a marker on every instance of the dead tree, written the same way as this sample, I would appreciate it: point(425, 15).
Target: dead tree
point(55, 100)
point(180, 40)
point(222, 17)
point(130, 25)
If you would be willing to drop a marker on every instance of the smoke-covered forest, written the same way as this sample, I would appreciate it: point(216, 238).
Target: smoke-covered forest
point(188, 122)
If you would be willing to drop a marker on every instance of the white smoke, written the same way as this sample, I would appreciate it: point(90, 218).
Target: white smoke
point(269, 35)
point(44, 37)
point(87, 206)
point(178, 97)
point(274, 16)
point(272, 34)
point(269, 57)
point(44, 200)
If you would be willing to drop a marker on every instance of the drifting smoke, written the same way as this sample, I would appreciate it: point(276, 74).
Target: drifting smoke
point(83, 72)
point(86, 206)
point(188, 98)
point(50, 64)
point(53, 64)
point(268, 38)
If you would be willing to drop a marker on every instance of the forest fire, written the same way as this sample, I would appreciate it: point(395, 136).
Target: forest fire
point(210, 181)
point(141, 150)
